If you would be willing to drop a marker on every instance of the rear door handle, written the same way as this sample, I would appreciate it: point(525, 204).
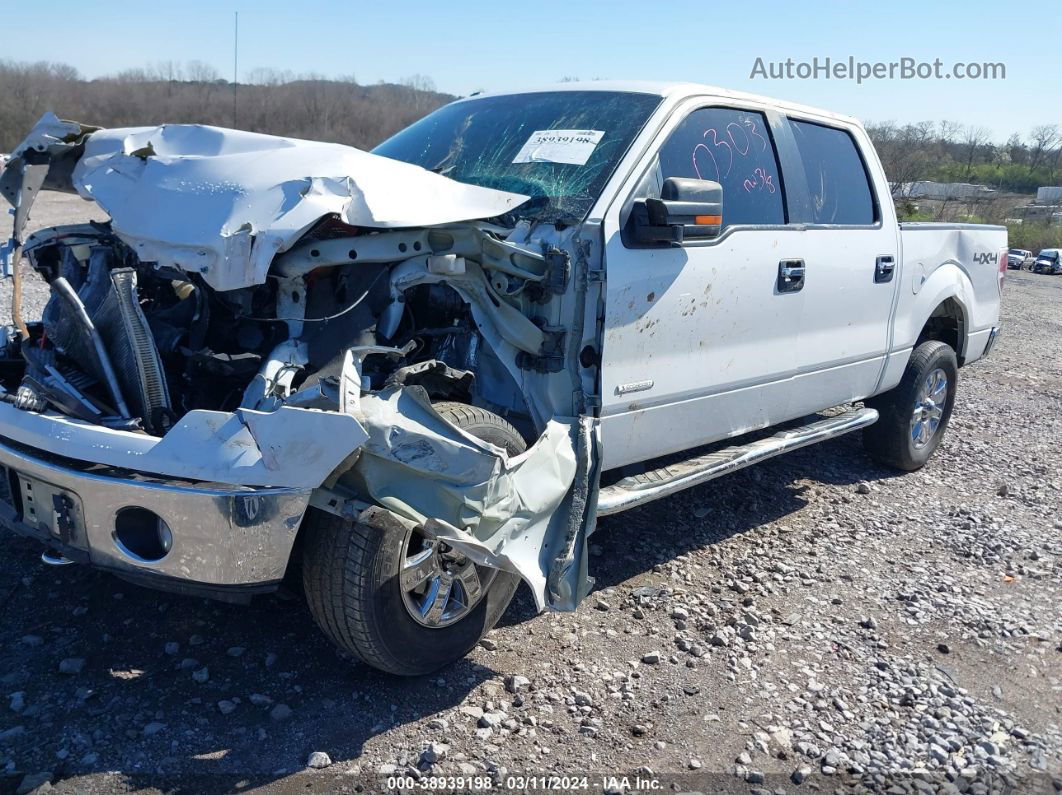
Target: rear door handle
point(791, 275)
point(884, 268)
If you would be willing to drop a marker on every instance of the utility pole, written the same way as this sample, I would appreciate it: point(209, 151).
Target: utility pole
point(235, 61)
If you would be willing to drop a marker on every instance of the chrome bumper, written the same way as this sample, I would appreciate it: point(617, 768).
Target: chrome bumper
point(220, 536)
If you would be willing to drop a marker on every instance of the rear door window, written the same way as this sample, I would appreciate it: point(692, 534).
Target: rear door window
point(734, 148)
point(836, 175)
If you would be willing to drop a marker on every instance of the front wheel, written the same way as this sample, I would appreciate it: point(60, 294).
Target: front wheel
point(915, 414)
point(395, 598)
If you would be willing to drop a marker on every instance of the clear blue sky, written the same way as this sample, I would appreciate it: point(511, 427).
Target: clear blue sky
point(464, 46)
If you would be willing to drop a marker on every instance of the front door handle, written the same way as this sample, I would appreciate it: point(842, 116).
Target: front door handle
point(884, 268)
point(791, 275)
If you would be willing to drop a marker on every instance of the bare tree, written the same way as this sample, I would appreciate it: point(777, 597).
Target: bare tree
point(1043, 138)
point(65, 73)
point(421, 86)
point(267, 76)
point(946, 132)
point(199, 72)
point(902, 150)
point(419, 82)
point(972, 140)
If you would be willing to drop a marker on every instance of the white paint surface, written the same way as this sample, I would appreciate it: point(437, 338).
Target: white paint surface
point(224, 202)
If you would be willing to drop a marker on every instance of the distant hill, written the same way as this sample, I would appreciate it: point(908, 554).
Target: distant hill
point(311, 107)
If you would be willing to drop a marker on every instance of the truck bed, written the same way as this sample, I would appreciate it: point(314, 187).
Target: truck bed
point(940, 259)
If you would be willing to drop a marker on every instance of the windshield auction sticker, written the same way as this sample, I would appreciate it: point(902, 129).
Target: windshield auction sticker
point(573, 147)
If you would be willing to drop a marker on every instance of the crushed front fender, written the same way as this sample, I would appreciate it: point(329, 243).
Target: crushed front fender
point(523, 513)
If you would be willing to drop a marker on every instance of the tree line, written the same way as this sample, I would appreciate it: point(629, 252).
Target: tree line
point(280, 103)
point(944, 151)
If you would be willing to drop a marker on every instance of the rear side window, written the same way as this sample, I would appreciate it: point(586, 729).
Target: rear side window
point(733, 148)
point(837, 178)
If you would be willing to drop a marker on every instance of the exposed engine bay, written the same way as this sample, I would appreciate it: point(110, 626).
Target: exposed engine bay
point(136, 346)
point(293, 329)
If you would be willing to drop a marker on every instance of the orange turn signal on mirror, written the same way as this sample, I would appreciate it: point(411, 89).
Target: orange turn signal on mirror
point(708, 220)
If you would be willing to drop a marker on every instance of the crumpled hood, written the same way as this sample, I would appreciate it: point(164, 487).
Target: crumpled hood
point(224, 202)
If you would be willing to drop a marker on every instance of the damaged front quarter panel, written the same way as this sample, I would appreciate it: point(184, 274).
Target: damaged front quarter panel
point(509, 512)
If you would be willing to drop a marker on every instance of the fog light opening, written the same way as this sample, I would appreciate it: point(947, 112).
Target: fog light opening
point(142, 534)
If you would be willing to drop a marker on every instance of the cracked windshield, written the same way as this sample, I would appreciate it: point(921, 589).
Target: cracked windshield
point(558, 147)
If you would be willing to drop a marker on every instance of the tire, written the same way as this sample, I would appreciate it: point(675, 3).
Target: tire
point(892, 439)
point(484, 425)
point(351, 578)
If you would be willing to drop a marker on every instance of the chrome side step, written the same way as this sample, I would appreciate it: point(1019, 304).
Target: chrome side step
point(667, 480)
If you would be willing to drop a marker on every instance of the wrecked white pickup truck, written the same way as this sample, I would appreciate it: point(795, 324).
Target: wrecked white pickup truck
point(417, 375)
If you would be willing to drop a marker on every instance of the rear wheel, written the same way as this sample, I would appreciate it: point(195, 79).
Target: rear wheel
point(915, 414)
point(394, 598)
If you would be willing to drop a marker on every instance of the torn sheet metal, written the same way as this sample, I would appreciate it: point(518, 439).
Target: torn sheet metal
point(224, 202)
point(501, 511)
point(288, 447)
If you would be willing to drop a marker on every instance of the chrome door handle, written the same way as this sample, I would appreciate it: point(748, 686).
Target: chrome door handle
point(791, 275)
point(884, 268)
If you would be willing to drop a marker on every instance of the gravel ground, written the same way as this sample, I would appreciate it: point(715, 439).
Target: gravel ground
point(813, 623)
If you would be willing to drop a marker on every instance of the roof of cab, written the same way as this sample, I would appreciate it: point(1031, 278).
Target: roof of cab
point(675, 90)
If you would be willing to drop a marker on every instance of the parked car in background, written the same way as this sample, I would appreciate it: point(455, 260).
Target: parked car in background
point(1048, 261)
point(1018, 258)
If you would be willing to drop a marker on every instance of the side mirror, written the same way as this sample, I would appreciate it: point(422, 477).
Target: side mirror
point(688, 209)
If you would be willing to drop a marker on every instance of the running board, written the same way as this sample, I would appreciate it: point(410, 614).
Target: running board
point(667, 480)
